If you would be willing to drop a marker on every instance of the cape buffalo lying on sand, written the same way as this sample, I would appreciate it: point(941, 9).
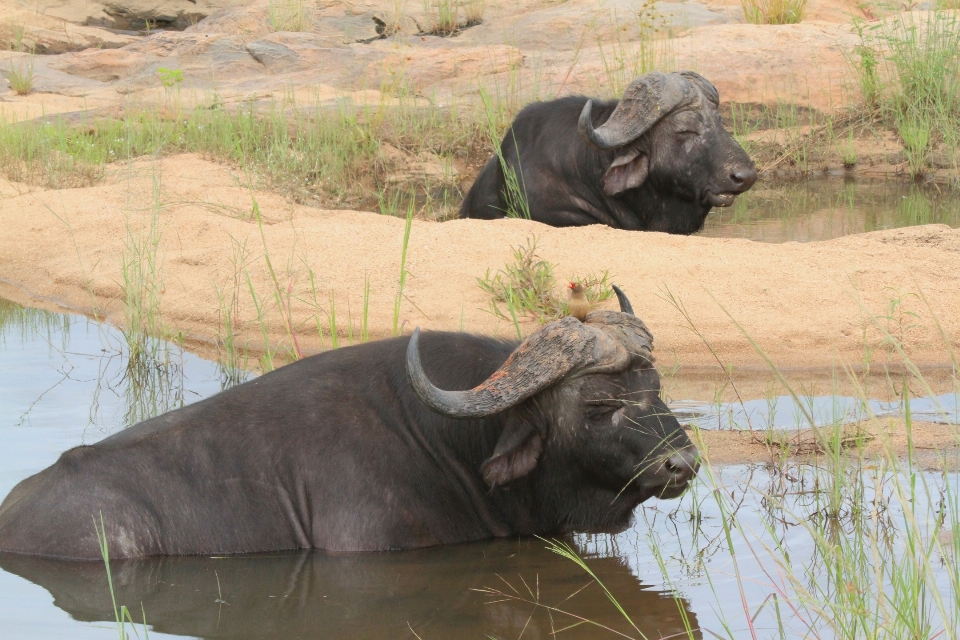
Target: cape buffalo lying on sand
point(355, 449)
point(657, 160)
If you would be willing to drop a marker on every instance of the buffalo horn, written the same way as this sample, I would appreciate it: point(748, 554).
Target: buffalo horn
point(648, 99)
point(706, 87)
point(625, 306)
point(540, 361)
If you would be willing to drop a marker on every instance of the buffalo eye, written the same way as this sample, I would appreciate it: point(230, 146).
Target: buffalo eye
point(601, 409)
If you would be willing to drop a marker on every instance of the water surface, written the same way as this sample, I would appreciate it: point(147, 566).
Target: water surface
point(784, 412)
point(821, 209)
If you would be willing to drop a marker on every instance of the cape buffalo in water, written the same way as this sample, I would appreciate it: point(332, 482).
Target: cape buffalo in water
point(656, 160)
point(356, 449)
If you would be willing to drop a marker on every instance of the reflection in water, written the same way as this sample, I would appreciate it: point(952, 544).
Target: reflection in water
point(68, 353)
point(17, 323)
point(377, 595)
point(830, 208)
point(65, 380)
point(743, 535)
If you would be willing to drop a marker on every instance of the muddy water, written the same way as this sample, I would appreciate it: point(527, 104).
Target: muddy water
point(64, 381)
point(829, 208)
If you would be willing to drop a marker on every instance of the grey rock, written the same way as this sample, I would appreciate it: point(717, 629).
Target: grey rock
point(582, 22)
point(49, 80)
point(132, 14)
point(271, 54)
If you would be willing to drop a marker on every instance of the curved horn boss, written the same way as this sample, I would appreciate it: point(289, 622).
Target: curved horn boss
point(648, 99)
point(542, 360)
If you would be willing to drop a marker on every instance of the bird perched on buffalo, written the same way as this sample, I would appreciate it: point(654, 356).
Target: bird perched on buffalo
point(579, 306)
point(656, 160)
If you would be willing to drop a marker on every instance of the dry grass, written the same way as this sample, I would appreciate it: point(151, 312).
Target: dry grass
point(289, 15)
point(774, 11)
point(20, 75)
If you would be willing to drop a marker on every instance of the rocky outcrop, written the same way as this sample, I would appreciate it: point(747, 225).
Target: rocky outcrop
point(130, 14)
point(531, 49)
point(22, 30)
point(60, 26)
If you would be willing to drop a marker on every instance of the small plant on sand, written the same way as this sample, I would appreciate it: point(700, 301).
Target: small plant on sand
point(20, 75)
point(898, 321)
point(141, 268)
point(774, 11)
point(170, 78)
point(866, 68)
point(289, 15)
point(16, 43)
point(232, 359)
point(527, 286)
point(397, 327)
point(848, 151)
point(473, 11)
point(915, 132)
point(444, 15)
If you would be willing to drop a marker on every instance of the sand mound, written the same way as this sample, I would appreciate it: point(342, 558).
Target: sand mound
point(807, 305)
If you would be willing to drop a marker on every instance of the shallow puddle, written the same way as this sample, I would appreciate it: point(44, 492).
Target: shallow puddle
point(785, 412)
point(744, 537)
point(753, 399)
point(829, 208)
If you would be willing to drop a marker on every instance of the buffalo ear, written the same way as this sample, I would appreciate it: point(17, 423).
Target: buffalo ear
point(515, 455)
point(627, 171)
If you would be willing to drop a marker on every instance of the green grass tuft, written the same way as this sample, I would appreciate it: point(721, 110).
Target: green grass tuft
point(20, 76)
point(774, 11)
point(528, 287)
point(327, 157)
point(289, 15)
point(908, 71)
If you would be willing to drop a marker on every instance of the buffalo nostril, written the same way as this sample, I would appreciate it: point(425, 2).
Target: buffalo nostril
point(744, 177)
point(682, 465)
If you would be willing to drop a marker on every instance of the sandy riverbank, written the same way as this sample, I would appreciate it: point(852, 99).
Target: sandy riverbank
point(817, 304)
